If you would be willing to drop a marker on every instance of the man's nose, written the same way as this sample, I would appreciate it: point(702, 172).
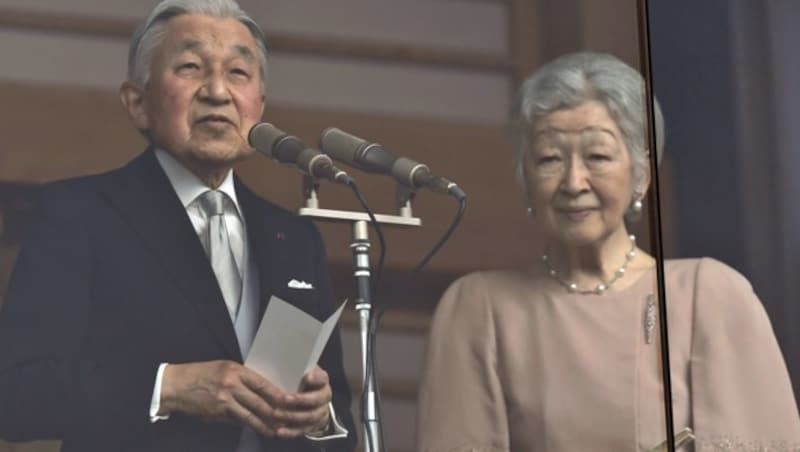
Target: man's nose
point(215, 89)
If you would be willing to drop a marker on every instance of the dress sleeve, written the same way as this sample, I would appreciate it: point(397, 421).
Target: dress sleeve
point(742, 395)
point(461, 406)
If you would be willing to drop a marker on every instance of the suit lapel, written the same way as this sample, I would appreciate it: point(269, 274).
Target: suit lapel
point(146, 199)
point(264, 234)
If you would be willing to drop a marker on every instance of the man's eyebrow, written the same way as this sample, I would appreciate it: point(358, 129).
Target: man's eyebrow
point(194, 45)
point(244, 52)
point(188, 44)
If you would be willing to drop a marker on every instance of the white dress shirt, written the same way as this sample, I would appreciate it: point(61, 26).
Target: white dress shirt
point(188, 187)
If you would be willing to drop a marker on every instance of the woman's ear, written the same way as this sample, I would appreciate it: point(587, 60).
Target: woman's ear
point(528, 200)
point(641, 183)
point(645, 183)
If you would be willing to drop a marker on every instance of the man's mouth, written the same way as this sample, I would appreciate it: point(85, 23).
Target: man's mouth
point(214, 119)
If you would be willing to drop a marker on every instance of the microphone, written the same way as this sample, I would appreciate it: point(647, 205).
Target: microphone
point(288, 149)
point(373, 158)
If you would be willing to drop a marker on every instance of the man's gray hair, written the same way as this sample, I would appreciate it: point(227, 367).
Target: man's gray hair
point(150, 33)
point(573, 79)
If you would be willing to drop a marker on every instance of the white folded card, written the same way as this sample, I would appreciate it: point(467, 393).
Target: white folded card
point(288, 343)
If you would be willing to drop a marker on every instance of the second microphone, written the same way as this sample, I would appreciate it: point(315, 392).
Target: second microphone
point(373, 158)
point(288, 149)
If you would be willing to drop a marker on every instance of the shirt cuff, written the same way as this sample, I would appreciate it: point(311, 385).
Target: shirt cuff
point(155, 402)
point(334, 430)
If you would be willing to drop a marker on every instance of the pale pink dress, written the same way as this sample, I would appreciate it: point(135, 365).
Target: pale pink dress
point(517, 363)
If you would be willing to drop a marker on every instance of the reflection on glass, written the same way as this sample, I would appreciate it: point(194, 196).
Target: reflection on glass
point(725, 160)
point(565, 355)
point(559, 356)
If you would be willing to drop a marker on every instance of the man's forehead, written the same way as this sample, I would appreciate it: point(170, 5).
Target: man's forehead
point(193, 32)
point(194, 45)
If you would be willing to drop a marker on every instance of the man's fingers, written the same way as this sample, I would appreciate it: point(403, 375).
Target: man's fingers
point(263, 387)
point(253, 403)
point(293, 432)
point(247, 417)
point(290, 432)
point(315, 378)
point(308, 400)
point(310, 418)
point(314, 423)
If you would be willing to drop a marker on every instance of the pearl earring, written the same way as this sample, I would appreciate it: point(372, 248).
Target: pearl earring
point(531, 211)
point(636, 203)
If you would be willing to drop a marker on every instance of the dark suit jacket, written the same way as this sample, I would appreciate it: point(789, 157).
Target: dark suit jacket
point(112, 281)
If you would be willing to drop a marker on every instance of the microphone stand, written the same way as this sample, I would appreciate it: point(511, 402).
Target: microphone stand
point(360, 246)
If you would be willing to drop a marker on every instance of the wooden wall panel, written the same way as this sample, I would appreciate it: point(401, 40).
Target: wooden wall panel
point(376, 80)
point(452, 25)
point(57, 132)
point(611, 26)
point(466, 25)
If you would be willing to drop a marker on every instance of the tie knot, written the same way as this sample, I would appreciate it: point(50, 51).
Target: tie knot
point(213, 202)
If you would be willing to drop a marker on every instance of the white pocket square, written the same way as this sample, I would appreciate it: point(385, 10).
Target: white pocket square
point(295, 284)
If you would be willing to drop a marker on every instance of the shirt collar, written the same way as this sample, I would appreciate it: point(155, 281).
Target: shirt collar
point(188, 186)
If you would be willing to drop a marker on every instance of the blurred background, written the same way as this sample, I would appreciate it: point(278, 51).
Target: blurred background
point(433, 80)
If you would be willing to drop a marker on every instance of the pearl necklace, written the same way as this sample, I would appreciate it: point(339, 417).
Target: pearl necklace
point(603, 285)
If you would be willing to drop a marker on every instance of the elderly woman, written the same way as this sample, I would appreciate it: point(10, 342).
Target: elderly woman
point(564, 355)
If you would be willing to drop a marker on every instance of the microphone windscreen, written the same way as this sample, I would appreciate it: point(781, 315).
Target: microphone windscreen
point(340, 145)
point(263, 136)
point(409, 172)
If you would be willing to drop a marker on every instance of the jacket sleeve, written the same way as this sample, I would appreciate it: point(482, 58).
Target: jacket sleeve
point(331, 359)
point(48, 388)
point(740, 385)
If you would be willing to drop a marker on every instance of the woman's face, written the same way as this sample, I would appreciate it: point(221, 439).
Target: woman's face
point(578, 175)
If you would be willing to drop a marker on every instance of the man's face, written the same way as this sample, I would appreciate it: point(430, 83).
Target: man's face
point(204, 92)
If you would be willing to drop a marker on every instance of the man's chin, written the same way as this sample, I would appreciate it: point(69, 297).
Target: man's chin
point(219, 156)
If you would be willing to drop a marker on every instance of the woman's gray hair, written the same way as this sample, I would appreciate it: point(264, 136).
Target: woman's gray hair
point(573, 79)
point(150, 33)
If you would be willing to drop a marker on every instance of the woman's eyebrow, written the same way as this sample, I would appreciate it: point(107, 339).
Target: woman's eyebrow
point(557, 130)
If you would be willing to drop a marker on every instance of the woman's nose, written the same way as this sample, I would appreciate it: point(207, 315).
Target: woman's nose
point(576, 177)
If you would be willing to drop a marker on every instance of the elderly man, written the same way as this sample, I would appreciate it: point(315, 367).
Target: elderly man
point(139, 291)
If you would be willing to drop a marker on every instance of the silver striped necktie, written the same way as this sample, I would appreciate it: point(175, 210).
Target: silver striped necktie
point(218, 247)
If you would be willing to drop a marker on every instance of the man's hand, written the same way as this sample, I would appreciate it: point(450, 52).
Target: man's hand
point(307, 411)
point(224, 391)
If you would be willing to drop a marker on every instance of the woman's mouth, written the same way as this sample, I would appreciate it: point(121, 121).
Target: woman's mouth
point(577, 214)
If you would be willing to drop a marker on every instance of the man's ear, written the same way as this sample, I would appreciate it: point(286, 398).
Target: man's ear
point(263, 105)
point(133, 100)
